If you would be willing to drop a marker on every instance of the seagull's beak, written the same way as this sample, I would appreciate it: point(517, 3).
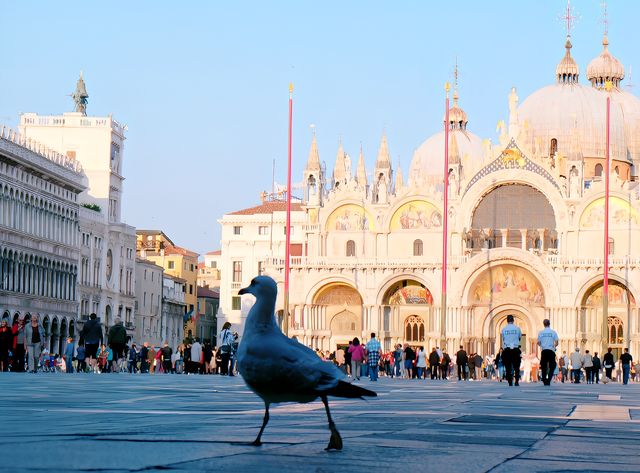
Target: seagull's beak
point(242, 291)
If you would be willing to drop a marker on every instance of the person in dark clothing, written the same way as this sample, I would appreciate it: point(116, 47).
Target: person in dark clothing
point(462, 359)
point(597, 365)
point(472, 366)
point(347, 358)
point(444, 365)
point(207, 354)
point(17, 363)
point(166, 353)
point(144, 354)
point(91, 337)
point(117, 339)
point(434, 363)
point(6, 344)
point(608, 361)
point(625, 360)
point(409, 357)
point(133, 358)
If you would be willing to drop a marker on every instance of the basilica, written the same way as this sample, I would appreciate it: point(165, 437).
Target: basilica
point(525, 233)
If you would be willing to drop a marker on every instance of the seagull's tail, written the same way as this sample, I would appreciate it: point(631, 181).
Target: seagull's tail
point(344, 389)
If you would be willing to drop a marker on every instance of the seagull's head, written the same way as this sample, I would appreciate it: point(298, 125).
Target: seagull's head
point(261, 286)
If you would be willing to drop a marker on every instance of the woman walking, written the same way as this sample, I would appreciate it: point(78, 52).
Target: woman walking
point(357, 356)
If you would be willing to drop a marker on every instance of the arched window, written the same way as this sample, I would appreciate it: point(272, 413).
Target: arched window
point(616, 333)
point(417, 248)
point(414, 329)
point(611, 246)
point(553, 147)
point(598, 170)
point(351, 248)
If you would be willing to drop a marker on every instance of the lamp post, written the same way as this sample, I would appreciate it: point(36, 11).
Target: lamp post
point(287, 257)
point(605, 284)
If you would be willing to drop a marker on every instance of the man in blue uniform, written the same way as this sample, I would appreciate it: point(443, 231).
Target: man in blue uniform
point(548, 341)
point(511, 335)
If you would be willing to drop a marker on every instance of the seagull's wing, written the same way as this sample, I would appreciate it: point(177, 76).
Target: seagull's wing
point(276, 366)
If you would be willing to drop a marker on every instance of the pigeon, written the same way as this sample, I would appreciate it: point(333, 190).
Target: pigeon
point(280, 369)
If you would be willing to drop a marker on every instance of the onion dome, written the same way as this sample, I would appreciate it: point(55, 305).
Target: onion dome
point(457, 117)
point(567, 70)
point(605, 68)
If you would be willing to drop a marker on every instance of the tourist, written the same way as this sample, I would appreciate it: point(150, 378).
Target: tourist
point(409, 357)
point(421, 363)
point(33, 342)
point(17, 363)
point(133, 358)
point(176, 362)
point(462, 362)
point(81, 359)
point(144, 358)
point(357, 355)
point(625, 360)
point(207, 356)
point(151, 359)
point(609, 362)
point(547, 341)
point(576, 365)
point(477, 362)
point(91, 337)
point(103, 354)
point(196, 357)
point(166, 353)
point(563, 362)
point(397, 360)
point(347, 359)
point(445, 365)
point(587, 364)
point(373, 357)
point(6, 344)
point(511, 335)
point(158, 361)
point(69, 351)
point(226, 346)
point(489, 367)
point(117, 340)
point(471, 366)
point(597, 365)
point(434, 363)
point(499, 365)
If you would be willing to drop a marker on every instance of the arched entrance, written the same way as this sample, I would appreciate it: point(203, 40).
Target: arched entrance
point(407, 305)
point(55, 333)
point(596, 333)
point(497, 320)
point(334, 300)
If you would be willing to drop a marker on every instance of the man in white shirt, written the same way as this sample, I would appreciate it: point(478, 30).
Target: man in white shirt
point(576, 365)
point(547, 341)
point(511, 335)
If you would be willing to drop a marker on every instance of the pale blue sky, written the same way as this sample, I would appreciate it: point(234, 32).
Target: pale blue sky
point(203, 86)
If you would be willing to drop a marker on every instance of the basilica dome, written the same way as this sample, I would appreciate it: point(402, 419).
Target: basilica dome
point(570, 118)
point(427, 164)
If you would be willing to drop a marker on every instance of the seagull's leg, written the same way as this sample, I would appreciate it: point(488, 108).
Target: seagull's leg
point(257, 441)
point(335, 441)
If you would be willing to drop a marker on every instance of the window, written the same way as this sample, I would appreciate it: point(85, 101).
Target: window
point(144, 300)
point(284, 230)
point(191, 266)
point(263, 230)
point(190, 288)
point(553, 147)
point(213, 264)
point(235, 303)
point(145, 274)
point(611, 246)
point(170, 265)
point(417, 248)
point(351, 248)
point(598, 170)
point(237, 230)
point(237, 271)
point(260, 267)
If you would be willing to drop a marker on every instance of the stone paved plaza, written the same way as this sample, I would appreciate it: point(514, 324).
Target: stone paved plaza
point(122, 423)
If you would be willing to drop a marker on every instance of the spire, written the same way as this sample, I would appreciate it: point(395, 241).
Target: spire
point(567, 71)
point(313, 162)
point(361, 171)
point(80, 96)
point(399, 179)
point(383, 154)
point(338, 169)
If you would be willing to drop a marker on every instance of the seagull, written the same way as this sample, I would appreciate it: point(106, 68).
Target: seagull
point(280, 369)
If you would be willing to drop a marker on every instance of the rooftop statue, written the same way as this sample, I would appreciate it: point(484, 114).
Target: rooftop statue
point(80, 96)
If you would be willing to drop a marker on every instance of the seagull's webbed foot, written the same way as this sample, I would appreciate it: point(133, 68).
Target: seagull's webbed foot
point(335, 441)
point(256, 443)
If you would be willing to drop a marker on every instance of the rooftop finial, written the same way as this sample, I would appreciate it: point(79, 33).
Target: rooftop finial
point(80, 96)
point(605, 18)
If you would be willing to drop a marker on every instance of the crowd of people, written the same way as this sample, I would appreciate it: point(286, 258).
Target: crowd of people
point(22, 348)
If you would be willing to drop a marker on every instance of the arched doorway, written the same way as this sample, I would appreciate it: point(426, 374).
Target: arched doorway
point(331, 300)
point(63, 336)
point(408, 303)
point(345, 326)
point(55, 333)
point(594, 331)
point(107, 317)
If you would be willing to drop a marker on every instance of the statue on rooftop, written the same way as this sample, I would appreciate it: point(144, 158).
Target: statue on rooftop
point(80, 96)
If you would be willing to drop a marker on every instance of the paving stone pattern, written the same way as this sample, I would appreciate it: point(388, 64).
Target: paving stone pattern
point(123, 423)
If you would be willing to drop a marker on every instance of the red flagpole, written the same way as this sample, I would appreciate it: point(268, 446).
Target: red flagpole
point(287, 257)
point(605, 285)
point(445, 220)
